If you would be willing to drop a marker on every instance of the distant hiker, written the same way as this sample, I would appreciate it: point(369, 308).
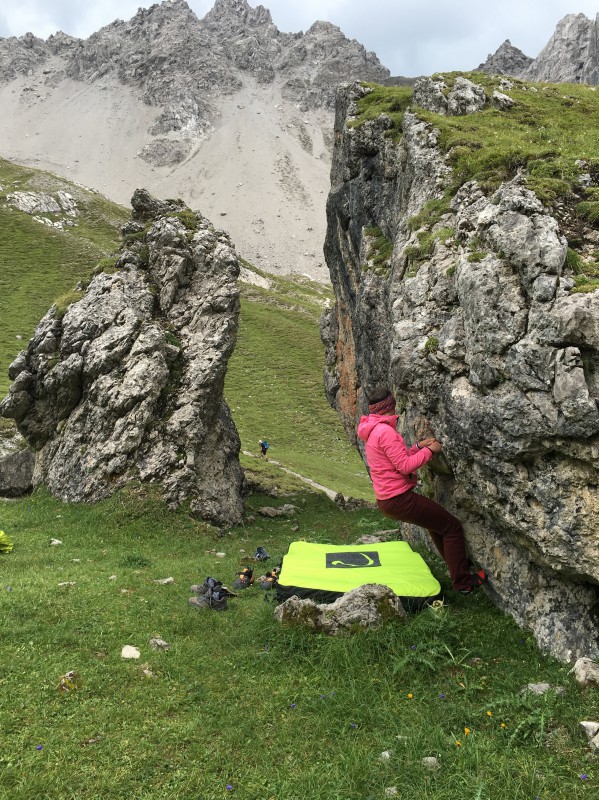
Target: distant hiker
point(264, 445)
point(393, 469)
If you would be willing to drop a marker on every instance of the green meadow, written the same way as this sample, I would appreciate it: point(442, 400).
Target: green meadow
point(238, 706)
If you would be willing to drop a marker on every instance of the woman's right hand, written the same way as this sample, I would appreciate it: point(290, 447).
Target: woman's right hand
point(434, 446)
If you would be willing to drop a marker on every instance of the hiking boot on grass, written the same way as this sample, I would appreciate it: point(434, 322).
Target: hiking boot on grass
point(215, 600)
point(210, 584)
point(261, 554)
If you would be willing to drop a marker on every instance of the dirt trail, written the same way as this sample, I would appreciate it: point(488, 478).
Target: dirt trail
point(329, 492)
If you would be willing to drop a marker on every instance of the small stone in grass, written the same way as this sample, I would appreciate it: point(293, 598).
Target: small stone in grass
point(159, 644)
point(145, 668)
point(431, 762)
point(129, 651)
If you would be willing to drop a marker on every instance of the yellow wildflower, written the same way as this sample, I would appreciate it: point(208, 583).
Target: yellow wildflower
point(457, 743)
point(410, 695)
point(489, 713)
point(466, 731)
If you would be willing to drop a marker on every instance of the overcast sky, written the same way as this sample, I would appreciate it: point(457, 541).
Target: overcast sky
point(410, 37)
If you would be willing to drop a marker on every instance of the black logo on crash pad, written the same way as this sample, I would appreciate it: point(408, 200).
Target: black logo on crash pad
point(352, 560)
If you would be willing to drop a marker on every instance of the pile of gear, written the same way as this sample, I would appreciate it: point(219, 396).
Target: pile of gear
point(213, 594)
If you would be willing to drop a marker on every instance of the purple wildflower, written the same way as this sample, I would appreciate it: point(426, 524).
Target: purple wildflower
point(413, 647)
point(293, 705)
point(442, 696)
point(353, 724)
point(584, 777)
point(39, 747)
point(229, 787)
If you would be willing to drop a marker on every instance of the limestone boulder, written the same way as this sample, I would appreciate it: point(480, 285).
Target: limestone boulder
point(488, 350)
point(16, 473)
point(127, 382)
point(367, 606)
point(466, 97)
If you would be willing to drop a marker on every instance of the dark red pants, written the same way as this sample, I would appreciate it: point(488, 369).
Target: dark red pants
point(446, 530)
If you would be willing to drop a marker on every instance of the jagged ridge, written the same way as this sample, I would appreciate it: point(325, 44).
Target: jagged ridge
point(183, 63)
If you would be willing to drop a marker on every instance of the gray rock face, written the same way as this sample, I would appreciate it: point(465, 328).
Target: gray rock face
point(16, 474)
point(127, 384)
point(62, 207)
point(365, 607)
point(19, 56)
point(586, 673)
point(486, 350)
point(571, 55)
point(165, 152)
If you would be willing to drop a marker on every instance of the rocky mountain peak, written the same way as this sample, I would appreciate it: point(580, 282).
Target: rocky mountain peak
point(241, 10)
point(507, 60)
point(192, 108)
point(185, 64)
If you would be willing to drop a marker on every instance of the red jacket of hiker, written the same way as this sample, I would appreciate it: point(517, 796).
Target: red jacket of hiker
point(392, 464)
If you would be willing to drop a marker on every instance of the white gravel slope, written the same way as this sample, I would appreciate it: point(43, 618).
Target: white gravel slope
point(253, 176)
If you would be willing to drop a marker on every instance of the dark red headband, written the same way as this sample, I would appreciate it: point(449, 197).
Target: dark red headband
point(384, 406)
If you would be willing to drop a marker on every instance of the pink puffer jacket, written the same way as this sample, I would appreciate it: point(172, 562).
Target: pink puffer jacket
point(392, 465)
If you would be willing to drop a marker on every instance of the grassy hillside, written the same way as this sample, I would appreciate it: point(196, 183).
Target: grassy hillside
point(38, 263)
point(275, 387)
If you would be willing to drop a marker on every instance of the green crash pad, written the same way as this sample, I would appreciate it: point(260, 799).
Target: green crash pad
point(323, 572)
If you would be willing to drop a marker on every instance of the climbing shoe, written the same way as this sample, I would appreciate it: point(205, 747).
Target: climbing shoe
point(269, 579)
point(261, 554)
point(210, 584)
point(244, 579)
point(475, 582)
